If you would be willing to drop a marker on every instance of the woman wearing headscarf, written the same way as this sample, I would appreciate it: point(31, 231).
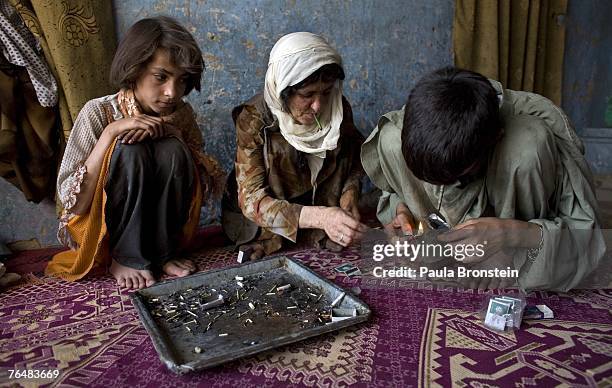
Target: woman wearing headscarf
point(298, 172)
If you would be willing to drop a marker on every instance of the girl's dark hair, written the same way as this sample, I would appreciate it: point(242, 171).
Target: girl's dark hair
point(325, 73)
point(451, 123)
point(139, 44)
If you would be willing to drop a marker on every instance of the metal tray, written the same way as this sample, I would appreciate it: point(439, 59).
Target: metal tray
point(273, 322)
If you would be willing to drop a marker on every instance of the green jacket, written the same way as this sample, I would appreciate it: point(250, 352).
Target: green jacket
point(537, 173)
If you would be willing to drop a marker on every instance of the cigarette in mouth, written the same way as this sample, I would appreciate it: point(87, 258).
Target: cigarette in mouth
point(317, 120)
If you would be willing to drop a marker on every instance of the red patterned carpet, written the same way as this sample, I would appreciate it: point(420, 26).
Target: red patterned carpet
point(420, 335)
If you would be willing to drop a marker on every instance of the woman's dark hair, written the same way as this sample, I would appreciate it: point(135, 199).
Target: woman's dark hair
point(139, 44)
point(325, 73)
point(451, 123)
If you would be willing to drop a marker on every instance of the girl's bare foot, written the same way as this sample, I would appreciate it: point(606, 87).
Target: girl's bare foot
point(179, 267)
point(130, 278)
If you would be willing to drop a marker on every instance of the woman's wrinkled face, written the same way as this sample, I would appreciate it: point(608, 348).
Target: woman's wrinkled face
point(161, 85)
point(307, 102)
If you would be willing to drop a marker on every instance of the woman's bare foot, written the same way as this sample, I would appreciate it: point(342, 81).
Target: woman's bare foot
point(130, 278)
point(179, 267)
point(256, 249)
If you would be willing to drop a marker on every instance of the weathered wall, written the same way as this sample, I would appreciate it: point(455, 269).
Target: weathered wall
point(385, 44)
point(23, 220)
point(587, 77)
point(587, 81)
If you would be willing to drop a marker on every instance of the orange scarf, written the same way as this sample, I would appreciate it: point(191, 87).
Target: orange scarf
point(89, 230)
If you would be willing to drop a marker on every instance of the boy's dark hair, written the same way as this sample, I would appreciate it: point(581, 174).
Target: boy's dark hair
point(138, 46)
point(451, 123)
point(325, 73)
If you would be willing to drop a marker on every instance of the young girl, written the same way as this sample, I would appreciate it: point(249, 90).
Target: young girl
point(133, 174)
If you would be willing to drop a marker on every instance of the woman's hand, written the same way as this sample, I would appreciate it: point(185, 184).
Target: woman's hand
point(339, 225)
point(135, 129)
point(349, 202)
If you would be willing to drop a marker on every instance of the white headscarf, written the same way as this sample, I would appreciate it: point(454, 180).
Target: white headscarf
point(293, 58)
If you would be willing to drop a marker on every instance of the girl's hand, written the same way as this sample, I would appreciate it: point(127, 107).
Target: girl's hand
point(135, 129)
point(133, 136)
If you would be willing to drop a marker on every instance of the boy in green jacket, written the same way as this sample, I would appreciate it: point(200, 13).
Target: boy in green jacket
point(498, 165)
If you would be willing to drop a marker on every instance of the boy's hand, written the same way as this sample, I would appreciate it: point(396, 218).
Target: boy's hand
point(495, 234)
point(403, 223)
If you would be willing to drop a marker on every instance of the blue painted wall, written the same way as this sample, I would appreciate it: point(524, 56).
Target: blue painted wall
point(587, 76)
point(386, 45)
point(587, 81)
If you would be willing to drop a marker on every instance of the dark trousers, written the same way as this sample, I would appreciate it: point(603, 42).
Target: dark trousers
point(149, 189)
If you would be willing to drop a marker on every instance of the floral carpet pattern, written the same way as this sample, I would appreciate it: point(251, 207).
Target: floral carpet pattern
point(419, 335)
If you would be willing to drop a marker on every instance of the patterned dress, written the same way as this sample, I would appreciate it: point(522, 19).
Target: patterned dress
point(272, 180)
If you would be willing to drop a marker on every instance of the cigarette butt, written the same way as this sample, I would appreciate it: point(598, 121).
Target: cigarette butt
point(223, 335)
point(251, 306)
point(239, 278)
point(215, 303)
point(338, 299)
